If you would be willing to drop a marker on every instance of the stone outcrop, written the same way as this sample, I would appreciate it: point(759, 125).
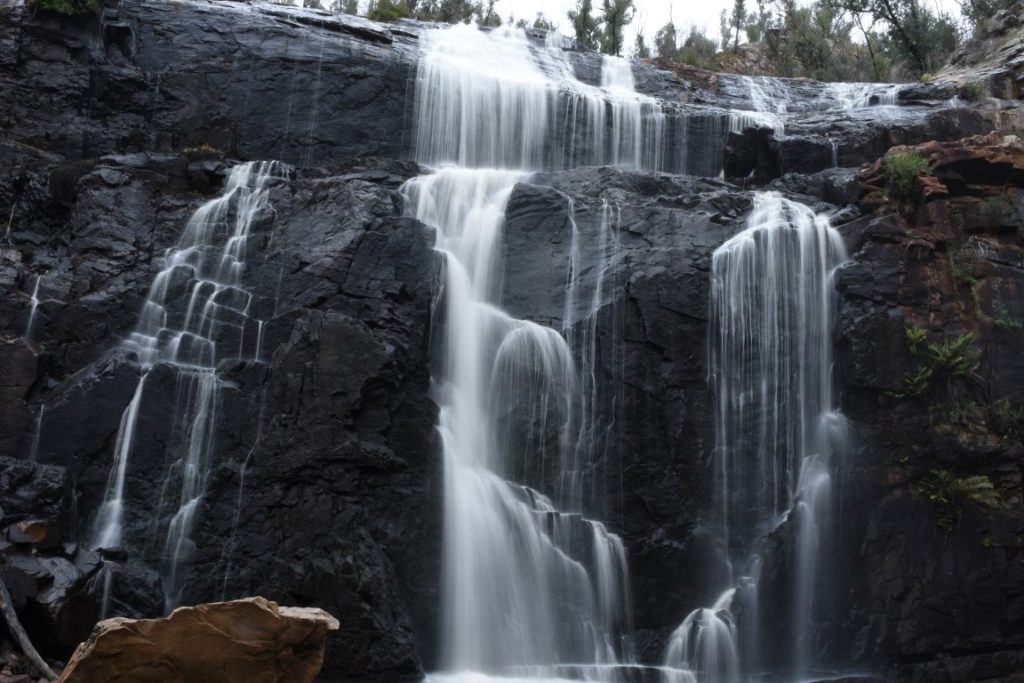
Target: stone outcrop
point(147, 76)
point(242, 641)
point(938, 584)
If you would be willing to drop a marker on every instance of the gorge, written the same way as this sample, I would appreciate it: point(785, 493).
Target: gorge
point(524, 362)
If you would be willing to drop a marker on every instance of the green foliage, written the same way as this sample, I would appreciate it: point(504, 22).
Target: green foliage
point(816, 38)
point(698, 50)
point(951, 495)
point(1005, 321)
point(65, 7)
point(973, 91)
point(387, 10)
point(952, 359)
point(665, 43)
point(1008, 418)
point(640, 47)
point(737, 20)
point(923, 40)
point(541, 21)
point(956, 357)
point(901, 170)
point(915, 336)
point(977, 11)
point(964, 411)
point(487, 15)
point(585, 25)
point(914, 382)
point(963, 273)
point(617, 13)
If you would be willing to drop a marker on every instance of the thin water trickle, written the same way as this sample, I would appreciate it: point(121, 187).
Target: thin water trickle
point(314, 105)
point(37, 433)
point(33, 309)
point(10, 222)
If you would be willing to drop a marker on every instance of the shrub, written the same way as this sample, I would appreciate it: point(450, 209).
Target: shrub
point(914, 382)
point(951, 495)
point(387, 10)
point(958, 357)
point(66, 7)
point(973, 91)
point(964, 274)
point(901, 171)
point(915, 336)
point(1005, 321)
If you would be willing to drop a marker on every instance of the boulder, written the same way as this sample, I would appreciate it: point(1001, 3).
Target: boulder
point(251, 640)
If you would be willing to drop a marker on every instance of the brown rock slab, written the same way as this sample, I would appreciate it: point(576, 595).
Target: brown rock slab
point(249, 641)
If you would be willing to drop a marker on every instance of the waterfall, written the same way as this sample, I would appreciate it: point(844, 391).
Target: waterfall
point(493, 99)
point(533, 586)
point(195, 315)
point(705, 642)
point(776, 429)
point(851, 96)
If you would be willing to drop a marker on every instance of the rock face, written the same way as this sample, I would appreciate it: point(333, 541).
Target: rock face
point(336, 412)
point(242, 640)
point(651, 335)
point(326, 489)
point(56, 584)
point(154, 77)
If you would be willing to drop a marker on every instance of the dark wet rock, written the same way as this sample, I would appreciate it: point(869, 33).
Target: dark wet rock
point(163, 78)
point(938, 599)
point(651, 332)
point(333, 411)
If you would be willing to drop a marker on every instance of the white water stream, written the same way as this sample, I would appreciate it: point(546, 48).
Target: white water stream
point(195, 315)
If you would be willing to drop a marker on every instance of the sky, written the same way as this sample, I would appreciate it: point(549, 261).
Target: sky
point(652, 14)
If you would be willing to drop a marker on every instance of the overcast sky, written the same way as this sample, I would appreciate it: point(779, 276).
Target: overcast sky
point(651, 14)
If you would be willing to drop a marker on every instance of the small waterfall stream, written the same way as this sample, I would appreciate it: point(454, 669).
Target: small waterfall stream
point(195, 315)
point(776, 428)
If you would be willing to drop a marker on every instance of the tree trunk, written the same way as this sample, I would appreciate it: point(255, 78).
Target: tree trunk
point(14, 626)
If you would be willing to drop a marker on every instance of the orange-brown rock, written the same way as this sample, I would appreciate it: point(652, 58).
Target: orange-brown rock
point(984, 167)
point(252, 640)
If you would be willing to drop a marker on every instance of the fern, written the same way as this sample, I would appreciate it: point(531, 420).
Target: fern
point(915, 336)
point(956, 357)
point(951, 495)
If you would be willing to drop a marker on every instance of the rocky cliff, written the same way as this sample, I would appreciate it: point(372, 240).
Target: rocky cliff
point(326, 490)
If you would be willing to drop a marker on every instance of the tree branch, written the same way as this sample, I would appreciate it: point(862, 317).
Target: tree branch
point(19, 634)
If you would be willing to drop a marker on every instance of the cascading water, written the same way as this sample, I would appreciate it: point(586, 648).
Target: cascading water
point(532, 586)
point(196, 314)
point(776, 429)
point(850, 96)
point(493, 99)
